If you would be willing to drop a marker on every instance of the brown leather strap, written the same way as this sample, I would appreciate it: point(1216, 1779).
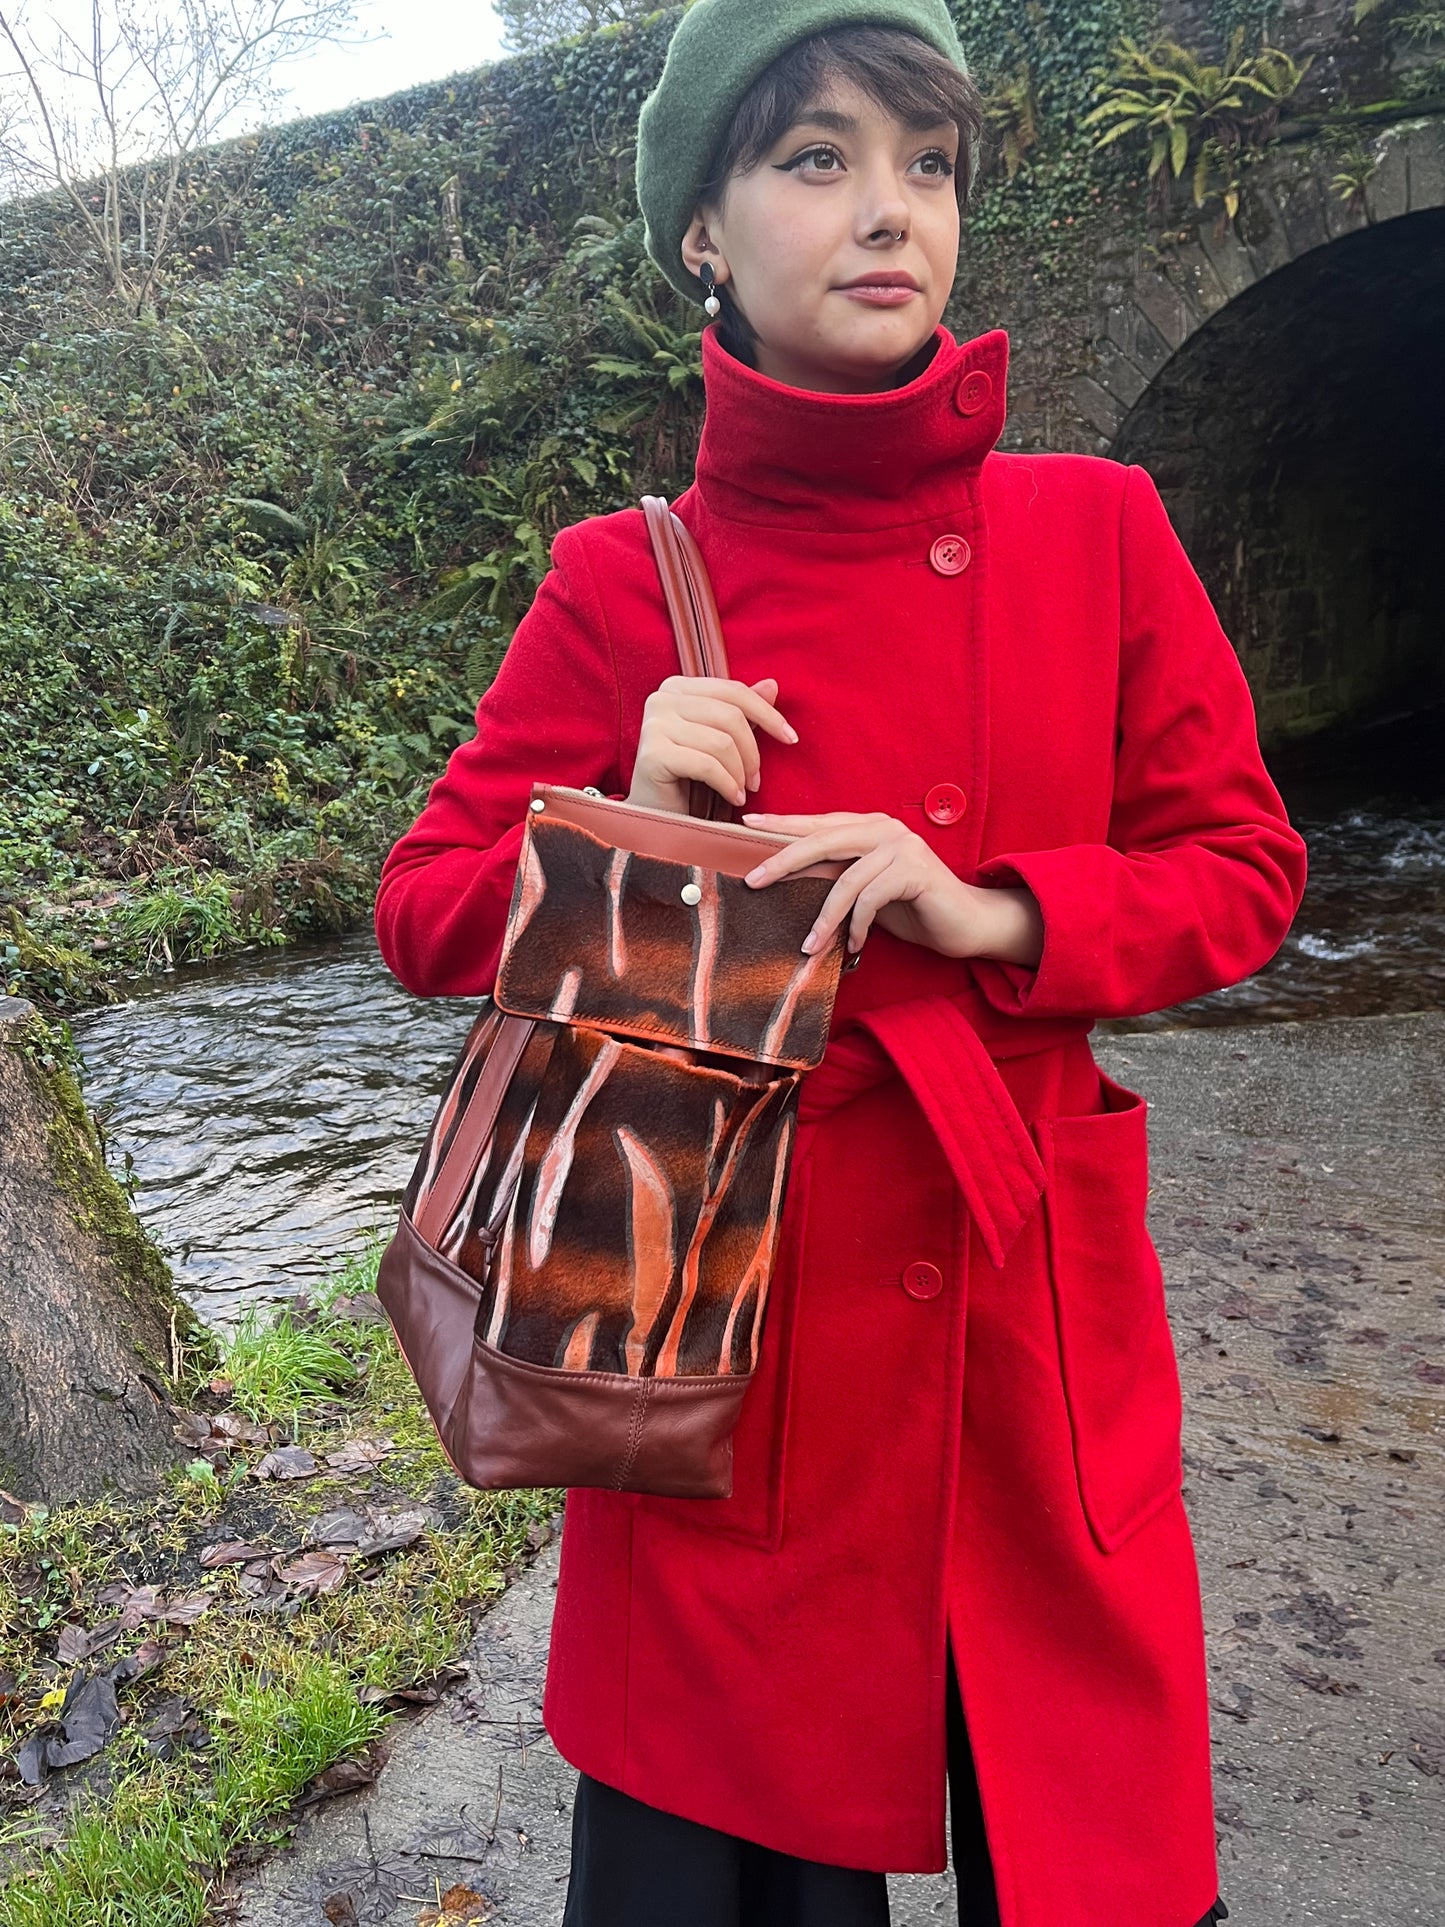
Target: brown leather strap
point(700, 652)
point(692, 606)
point(474, 1128)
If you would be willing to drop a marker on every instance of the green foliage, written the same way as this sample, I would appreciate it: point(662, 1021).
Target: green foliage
point(1419, 25)
point(275, 1364)
point(261, 549)
point(1193, 115)
point(1013, 117)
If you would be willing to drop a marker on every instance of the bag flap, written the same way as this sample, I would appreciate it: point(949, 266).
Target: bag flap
point(648, 942)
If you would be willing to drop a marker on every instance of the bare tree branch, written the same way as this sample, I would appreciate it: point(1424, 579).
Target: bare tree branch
point(163, 79)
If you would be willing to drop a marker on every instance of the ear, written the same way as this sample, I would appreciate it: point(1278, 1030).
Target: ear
point(700, 244)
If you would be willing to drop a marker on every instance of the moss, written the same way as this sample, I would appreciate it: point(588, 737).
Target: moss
point(77, 1158)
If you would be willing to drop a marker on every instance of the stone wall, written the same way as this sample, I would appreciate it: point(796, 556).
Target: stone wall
point(1280, 380)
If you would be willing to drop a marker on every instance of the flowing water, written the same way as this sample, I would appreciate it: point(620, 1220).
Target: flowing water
point(269, 1110)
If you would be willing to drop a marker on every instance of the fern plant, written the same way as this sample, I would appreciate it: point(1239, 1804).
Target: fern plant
point(1013, 115)
point(665, 357)
point(1196, 117)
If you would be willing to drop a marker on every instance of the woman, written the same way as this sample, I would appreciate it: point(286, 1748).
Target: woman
point(995, 686)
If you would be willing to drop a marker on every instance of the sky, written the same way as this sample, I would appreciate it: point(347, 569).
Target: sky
point(394, 44)
point(406, 42)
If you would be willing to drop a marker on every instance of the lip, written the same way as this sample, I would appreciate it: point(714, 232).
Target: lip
point(882, 278)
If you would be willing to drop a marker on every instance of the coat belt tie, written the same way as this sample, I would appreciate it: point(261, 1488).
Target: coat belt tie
point(933, 1046)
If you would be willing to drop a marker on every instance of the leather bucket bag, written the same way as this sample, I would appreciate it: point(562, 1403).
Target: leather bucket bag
point(580, 1272)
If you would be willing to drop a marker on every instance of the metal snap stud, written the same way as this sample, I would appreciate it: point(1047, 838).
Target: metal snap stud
point(537, 805)
point(691, 894)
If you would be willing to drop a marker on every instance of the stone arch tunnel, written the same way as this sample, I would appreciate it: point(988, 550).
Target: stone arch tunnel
point(1284, 383)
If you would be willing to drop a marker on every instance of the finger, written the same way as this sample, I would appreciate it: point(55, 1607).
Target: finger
point(720, 715)
point(843, 842)
point(884, 889)
point(758, 709)
point(784, 825)
point(720, 744)
point(686, 765)
point(840, 900)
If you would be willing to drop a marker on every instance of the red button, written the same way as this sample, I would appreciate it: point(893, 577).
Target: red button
point(950, 555)
point(945, 803)
point(972, 393)
point(922, 1281)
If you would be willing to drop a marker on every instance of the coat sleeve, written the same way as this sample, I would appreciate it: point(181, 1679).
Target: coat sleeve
point(552, 716)
point(1201, 873)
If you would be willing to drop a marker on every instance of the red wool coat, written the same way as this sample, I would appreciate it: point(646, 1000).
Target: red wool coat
point(965, 1424)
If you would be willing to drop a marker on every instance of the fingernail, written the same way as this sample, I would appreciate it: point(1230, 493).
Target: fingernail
point(810, 942)
point(740, 797)
point(753, 816)
point(792, 733)
point(755, 782)
point(756, 876)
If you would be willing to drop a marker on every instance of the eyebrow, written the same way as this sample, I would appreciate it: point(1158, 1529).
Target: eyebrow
point(836, 123)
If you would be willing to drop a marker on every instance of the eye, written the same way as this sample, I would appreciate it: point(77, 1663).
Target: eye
point(822, 159)
point(936, 164)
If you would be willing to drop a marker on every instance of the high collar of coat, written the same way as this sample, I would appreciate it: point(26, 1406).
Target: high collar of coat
point(787, 457)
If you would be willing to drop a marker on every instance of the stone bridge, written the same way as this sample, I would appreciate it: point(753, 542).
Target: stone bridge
point(1283, 380)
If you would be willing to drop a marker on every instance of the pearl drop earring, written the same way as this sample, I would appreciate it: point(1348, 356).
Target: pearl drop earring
point(712, 306)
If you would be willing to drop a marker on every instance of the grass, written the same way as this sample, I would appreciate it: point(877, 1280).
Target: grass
point(275, 1365)
point(147, 1834)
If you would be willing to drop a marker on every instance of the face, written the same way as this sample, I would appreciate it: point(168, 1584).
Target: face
point(841, 246)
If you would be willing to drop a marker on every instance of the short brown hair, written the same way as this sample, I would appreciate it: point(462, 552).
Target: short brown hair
point(905, 76)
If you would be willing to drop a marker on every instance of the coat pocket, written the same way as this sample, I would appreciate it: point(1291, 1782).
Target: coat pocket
point(1121, 1380)
point(753, 1515)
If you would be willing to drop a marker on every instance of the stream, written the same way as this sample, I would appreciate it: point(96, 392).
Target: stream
point(267, 1111)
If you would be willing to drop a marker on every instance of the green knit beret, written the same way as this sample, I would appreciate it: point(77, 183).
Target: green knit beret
point(720, 48)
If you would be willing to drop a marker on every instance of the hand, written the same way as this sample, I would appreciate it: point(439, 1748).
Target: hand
point(896, 880)
point(699, 729)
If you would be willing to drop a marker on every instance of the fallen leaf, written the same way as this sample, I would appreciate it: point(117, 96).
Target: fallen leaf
point(89, 1717)
point(169, 1716)
point(340, 1910)
point(137, 1604)
point(460, 1907)
point(360, 1455)
point(422, 1692)
point(344, 1527)
point(140, 1603)
point(235, 1426)
point(13, 1511)
point(347, 1775)
point(286, 1462)
point(315, 1573)
point(146, 1657)
point(361, 1308)
point(390, 1531)
point(30, 1760)
point(232, 1552)
point(73, 1645)
point(186, 1610)
point(193, 1428)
